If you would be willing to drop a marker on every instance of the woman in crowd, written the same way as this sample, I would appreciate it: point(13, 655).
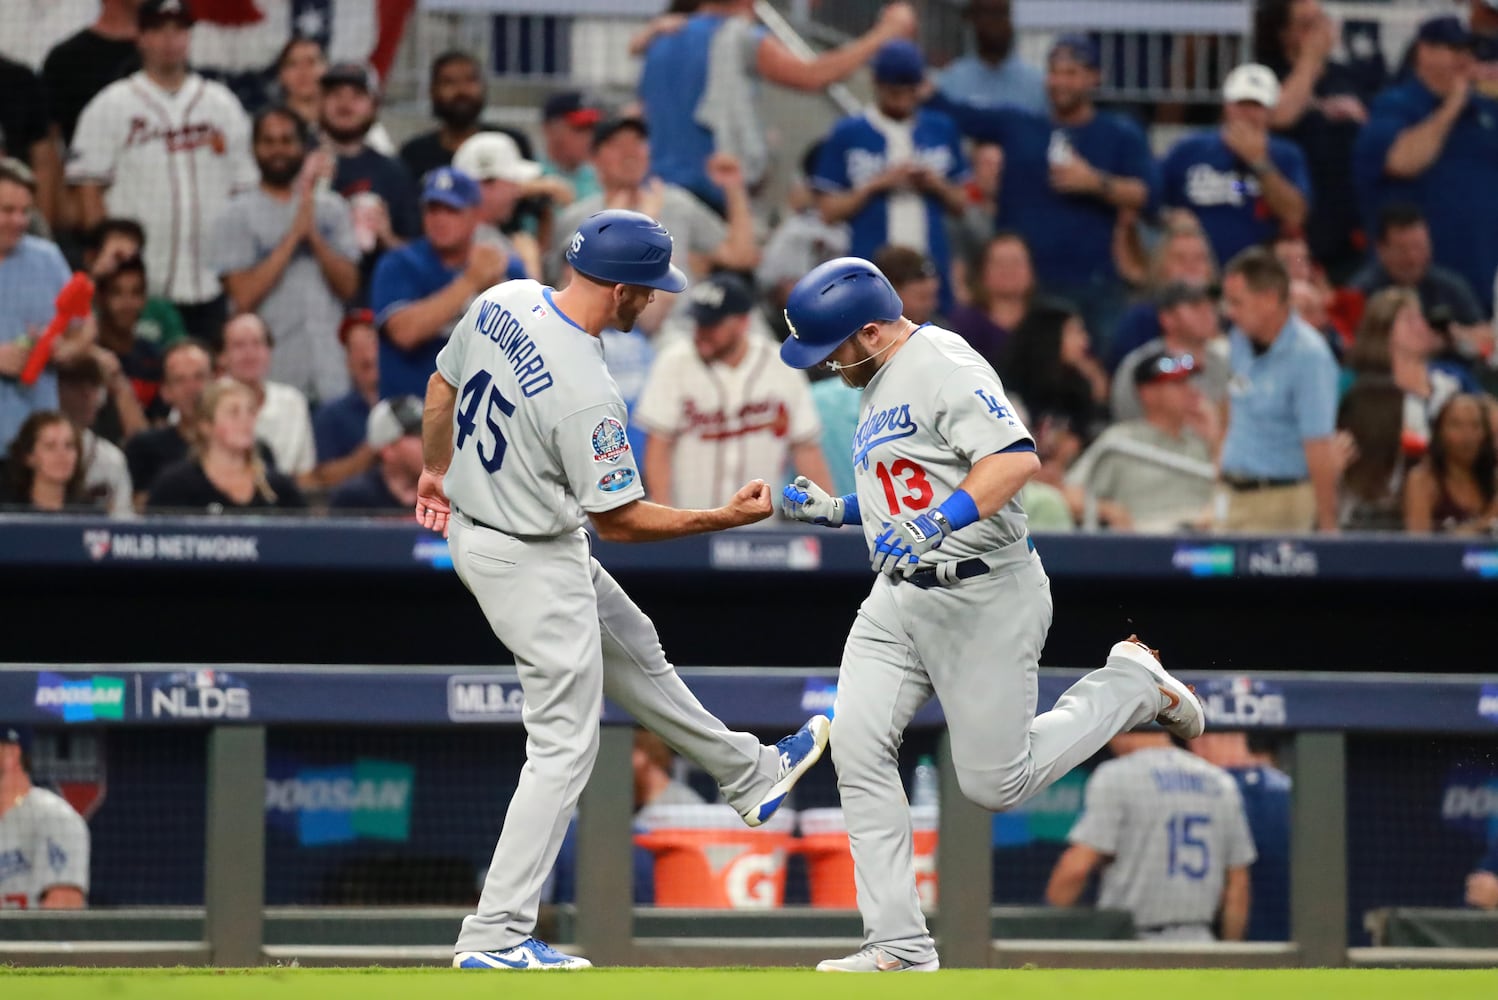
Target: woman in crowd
point(225, 471)
point(1454, 489)
point(1371, 414)
point(1002, 292)
point(299, 71)
point(1182, 255)
point(45, 473)
point(1048, 363)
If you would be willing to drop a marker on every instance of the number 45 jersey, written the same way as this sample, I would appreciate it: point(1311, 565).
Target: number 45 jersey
point(539, 426)
point(928, 416)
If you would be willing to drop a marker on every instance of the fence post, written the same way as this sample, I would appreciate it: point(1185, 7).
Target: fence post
point(234, 875)
point(1318, 849)
point(605, 869)
point(964, 873)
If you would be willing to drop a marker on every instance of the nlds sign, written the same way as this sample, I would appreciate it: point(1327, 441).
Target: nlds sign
point(1242, 702)
point(200, 694)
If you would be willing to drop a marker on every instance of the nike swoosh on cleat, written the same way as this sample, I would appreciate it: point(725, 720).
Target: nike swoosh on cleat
point(887, 963)
point(1175, 700)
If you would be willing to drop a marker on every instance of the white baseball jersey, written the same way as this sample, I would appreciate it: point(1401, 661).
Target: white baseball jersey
point(1173, 824)
point(43, 843)
point(930, 413)
point(539, 426)
point(731, 424)
point(170, 161)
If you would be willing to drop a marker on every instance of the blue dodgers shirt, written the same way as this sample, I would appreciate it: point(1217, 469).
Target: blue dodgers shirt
point(672, 82)
point(404, 277)
point(1070, 236)
point(1278, 400)
point(31, 275)
point(1456, 192)
point(856, 151)
point(1266, 803)
point(1202, 174)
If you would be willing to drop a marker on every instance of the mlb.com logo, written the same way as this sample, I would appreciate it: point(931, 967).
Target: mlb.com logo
point(819, 696)
point(1243, 702)
point(1487, 702)
point(480, 698)
point(88, 699)
point(362, 800)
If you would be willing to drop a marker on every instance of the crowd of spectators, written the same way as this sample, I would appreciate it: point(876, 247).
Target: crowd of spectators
point(1278, 322)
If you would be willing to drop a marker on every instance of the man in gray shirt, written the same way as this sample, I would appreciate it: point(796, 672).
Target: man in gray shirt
point(1168, 830)
point(44, 843)
point(1154, 473)
point(286, 251)
point(1188, 325)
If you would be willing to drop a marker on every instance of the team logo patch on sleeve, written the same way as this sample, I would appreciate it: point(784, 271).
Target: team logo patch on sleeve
point(617, 480)
point(610, 443)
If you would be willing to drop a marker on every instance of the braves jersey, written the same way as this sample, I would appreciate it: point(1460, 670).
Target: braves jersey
point(930, 413)
point(539, 426)
point(43, 844)
point(171, 161)
point(730, 424)
point(1173, 824)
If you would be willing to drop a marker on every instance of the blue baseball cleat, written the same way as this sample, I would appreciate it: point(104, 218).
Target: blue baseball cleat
point(798, 752)
point(528, 954)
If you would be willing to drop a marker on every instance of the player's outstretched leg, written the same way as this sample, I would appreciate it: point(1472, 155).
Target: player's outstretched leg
point(755, 779)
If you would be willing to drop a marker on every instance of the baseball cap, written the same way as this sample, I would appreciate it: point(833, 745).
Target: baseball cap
point(719, 297)
point(1179, 293)
point(352, 74)
point(1251, 82)
point(573, 106)
point(899, 62)
point(1164, 367)
point(451, 187)
point(1079, 47)
point(1444, 30)
point(610, 127)
point(392, 419)
point(17, 735)
point(155, 13)
point(494, 156)
point(353, 318)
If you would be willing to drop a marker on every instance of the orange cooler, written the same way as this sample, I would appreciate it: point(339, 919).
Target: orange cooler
point(706, 857)
point(829, 861)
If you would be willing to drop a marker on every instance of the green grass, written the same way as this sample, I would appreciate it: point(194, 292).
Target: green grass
point(750, 984)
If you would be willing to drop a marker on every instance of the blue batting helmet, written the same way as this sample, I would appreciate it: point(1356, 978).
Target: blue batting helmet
point(625, 248)
point(831, 304)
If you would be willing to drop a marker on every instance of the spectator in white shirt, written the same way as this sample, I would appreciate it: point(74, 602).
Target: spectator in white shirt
point(284, 422)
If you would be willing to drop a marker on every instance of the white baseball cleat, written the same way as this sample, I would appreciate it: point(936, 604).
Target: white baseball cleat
point(876, 959)
point(1180, 712)
point(528, 954)
point(798, 752)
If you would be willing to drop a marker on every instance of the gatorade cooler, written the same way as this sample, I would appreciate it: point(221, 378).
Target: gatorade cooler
point(829, 861)
point(706, 857)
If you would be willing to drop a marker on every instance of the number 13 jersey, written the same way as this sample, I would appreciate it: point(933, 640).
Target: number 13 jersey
point(539, 425)
point(931, 412)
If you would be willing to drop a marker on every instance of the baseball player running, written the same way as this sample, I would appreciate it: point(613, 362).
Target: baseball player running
point(961, 605)
point(524, 431)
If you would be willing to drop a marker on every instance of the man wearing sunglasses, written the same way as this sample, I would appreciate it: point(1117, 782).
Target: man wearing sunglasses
point(1154, 473)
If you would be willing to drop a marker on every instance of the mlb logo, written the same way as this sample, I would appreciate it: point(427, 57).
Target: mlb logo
point(1242, 685)
point(539, 311)
point(202, 678)
point(96, 543)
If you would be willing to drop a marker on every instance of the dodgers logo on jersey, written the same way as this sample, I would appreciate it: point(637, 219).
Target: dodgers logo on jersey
point(881, 427)
point(617, 480)
point(610, 443)
point(998, 409)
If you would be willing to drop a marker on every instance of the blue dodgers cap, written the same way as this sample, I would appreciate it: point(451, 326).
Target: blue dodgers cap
point(899, 62)
point(450, 187)
point(625, 248)
point(1078, 47)
point(831, 303)
point(1444, 30)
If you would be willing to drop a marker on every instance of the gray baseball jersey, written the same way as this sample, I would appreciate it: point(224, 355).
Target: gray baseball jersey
point(928, 415)
point(43, 844)
point(1173, 824)
point(539, 436)
point(932, 411)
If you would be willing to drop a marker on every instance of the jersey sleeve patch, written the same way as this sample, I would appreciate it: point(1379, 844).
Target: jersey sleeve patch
point(619, 479)
point(610, 443)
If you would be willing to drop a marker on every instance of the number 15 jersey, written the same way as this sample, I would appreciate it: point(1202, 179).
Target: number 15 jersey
point(931, 412)
point(539, 426)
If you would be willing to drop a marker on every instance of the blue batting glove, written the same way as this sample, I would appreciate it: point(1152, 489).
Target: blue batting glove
point(804, 500)
point(898, 549)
